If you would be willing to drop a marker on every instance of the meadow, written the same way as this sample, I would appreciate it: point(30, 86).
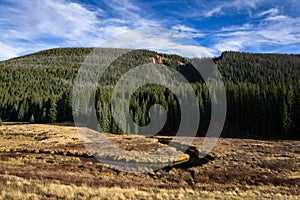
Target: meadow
point(43, 161)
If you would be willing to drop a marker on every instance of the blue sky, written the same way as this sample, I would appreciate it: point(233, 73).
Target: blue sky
point(217, 25)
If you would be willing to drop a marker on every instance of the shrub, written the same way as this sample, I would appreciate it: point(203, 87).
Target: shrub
point(1, 123)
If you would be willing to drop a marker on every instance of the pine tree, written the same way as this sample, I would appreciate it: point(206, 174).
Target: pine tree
point(53, 111)
point(21, 113)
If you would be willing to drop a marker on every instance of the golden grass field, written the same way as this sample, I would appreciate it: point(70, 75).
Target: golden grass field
point(50, 162)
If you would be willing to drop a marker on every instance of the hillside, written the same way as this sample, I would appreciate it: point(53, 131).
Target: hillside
point(259, 68)
point(262, 90)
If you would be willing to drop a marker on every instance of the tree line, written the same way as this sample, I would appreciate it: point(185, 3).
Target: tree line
point(262, 91)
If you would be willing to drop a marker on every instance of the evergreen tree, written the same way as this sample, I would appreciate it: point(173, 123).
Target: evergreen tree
point(53, 111)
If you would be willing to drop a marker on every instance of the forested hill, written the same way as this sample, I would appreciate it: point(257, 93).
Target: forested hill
point(259, 68)
point(262, 90)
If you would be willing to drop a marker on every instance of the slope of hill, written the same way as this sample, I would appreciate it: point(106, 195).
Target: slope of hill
point(259, 68)
point(262, 90)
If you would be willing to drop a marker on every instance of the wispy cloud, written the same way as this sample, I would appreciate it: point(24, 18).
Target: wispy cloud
point(272, 12)
point(213, 12)
point(7, 51)
point(28, 26)
point(246, 26)
point(282, 31)
point(186, 31)
point(61, 23)
point(227, 7)
point(184, 28)
point(66, 23)
point(58, 22)
point(129, 13)
point(276, 18)
point(229, 44)
point(161, 40)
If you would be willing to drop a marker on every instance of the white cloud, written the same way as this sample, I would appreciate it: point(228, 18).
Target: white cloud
point(246, 26)
point(160, 40)
point(186, 31)
point(284, 31)
point(27, 23)
point(27, 26)
point(7, 51)
point(63, 19)
point(206, 9)
point(65, 23)
point(124, 6)
point(184, 28)
point(271, 12)
point(62, 23)
point(214, 11)
point(276, 18)
point(130, 13)
point(232, 45)
point(227, 7)
point(233, 34)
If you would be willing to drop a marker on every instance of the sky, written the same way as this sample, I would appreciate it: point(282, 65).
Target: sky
point(207, 27)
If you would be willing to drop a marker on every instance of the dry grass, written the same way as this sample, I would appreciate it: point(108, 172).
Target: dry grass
point(18, 188)
point(50, 162)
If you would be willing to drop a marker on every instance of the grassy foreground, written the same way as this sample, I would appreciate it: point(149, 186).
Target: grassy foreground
point(50, 162)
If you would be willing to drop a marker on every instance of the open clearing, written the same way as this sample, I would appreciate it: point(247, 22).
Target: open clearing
point(50, 162)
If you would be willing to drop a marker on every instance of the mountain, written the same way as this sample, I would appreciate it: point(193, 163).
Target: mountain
point(262, 90)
